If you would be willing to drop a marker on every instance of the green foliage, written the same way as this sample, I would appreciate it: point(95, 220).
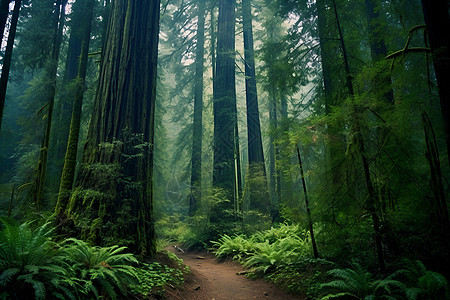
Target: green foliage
point(265, 251)
point(412, 283)
point(153, 278)
point(31, 264)
point(358, 283)
point(100, 270)
point(237, 247)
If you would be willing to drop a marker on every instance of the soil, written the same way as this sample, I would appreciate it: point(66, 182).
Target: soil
point(213, 279)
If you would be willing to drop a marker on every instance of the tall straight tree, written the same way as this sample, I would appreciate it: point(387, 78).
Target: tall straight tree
point(378, 45)
point(225, 100)
point(8, 56)
point(114, 187)
point(255, 148)
point(437, 20)
point(51, 72)
point(196, 172)
point(70, 159)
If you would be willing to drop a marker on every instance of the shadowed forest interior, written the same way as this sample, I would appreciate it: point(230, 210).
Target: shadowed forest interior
point(307, 140)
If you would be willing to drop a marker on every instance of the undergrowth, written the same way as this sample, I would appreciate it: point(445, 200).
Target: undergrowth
point(283, 255)
point(33, 265)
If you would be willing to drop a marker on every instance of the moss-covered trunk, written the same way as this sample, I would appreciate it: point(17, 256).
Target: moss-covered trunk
point(51, 72)
point(70, 159)
point(112, 202)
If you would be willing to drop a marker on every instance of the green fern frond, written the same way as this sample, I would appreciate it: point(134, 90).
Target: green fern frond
point(8, 275)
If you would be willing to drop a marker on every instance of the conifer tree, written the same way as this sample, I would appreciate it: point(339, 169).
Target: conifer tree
point(113, 192)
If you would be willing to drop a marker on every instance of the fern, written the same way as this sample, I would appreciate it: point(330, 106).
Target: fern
point(104, 269)
point(356, 282)
point(29, 261)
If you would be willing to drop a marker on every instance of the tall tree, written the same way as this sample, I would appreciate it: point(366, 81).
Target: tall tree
point(8, 56)
point(436, 16)
point(68, 173)
point(255, 148)
point(378, 46)
point(196, 172)
point(50, 72)
point(114, 187)
point(225, 100)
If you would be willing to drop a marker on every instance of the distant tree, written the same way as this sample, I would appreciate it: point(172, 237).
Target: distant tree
point(113, 196)
point(255, 148)
point(225, 100)
point(196, 171)
point(50, 73)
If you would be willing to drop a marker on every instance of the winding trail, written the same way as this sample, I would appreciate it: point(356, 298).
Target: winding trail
point(219, 280)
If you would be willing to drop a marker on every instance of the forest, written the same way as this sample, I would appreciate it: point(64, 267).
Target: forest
point(306, 140)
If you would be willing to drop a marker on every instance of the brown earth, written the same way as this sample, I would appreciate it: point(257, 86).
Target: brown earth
point(211, 279)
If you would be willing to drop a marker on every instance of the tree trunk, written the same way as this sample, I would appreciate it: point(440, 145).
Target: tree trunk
point(196, 172)
point(4, 11)
point(8, 56)
point(272, 155)
point(255, 149)
point(378, 46)
point(51, 71)
point(437, 20)
point(324, 53)
point(308, 209)
point(114, 187)
point(68, 173)
point(225, 100)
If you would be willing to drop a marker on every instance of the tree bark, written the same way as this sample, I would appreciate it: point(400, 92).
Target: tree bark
point(51, 71)
point(254, 140)
point(225, 100)
point(196, 171)
point(114, 187)
point(8, 56)
point(68, 172)
point(437, 20)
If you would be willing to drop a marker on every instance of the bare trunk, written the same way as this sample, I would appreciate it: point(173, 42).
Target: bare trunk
point(8, 56)
point(196, 172)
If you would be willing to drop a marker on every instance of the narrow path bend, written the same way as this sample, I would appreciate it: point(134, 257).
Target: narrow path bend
point(213, 279)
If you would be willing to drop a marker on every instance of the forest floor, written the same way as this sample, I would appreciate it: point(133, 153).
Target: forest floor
point(214, 279)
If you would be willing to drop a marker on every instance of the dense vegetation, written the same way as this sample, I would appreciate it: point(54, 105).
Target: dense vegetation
point(307, 139)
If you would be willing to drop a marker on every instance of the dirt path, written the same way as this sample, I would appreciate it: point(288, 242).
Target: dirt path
point(213, 279)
